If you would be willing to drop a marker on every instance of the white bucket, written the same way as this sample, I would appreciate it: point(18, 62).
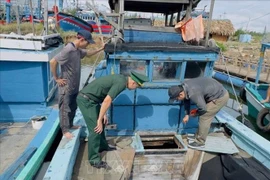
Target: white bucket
point(37, 122)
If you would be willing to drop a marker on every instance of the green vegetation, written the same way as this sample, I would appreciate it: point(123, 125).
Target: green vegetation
point(222, 47)
point(25, 28)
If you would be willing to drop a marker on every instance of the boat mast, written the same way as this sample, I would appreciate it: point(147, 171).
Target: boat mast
point(61, 5)
point(45, 5)
point(209, 22)
point(39, 9)
point(8, 5)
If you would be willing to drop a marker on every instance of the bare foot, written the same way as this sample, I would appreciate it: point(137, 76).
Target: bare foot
point(68, 135)
point(75, 127)
point(265, 101)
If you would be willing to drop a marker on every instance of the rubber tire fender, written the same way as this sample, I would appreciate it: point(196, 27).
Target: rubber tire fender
point(259, 121)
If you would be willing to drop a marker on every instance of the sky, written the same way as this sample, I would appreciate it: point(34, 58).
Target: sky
point(252, 15)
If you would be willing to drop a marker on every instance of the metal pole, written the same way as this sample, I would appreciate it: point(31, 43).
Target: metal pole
point(61, 5)
point(55, 14)
point(189, 9)
point(259, 69)
point(209, 22)
point(18, 20)
point(121, 11)
point(8, 4)
point(31, 11)
point(39, 9)
point(46, 17)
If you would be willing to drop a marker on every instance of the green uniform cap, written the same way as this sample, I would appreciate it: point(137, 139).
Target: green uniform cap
point(138, 78)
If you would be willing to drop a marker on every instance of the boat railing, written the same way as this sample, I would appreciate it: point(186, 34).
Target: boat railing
point(246, 68)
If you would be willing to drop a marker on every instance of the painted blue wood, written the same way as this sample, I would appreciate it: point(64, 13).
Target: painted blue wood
point(165, 56)
point(152, 117)
point(209, 69)
point(125, 98)
point(123, 116)
point(227, 79)
point(191, 126)
point(25, 84)
point(245, 138)
point(137, 143)
point(101, 69)
point(259, 69)
point(38, 140)
point(61, 166)
point(182, 71)
point(151, 36)
point(43, 132)
point(23, 81)
point(18, 164)
point(152, 96)
point(150, 70)
point(43, 140)
point(21, 112)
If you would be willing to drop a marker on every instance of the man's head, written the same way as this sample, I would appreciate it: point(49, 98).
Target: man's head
point(84, 38)
point(136, 80)
point(176, 93)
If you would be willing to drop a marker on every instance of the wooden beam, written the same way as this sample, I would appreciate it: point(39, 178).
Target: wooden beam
point(209, 22)
point(64, 158)
point(192, 164)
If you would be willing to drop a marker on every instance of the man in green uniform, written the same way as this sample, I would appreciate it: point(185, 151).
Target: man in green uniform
point(94, 100)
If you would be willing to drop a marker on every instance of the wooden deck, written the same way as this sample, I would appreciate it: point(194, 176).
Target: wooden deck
point(125, 164)
point(120, 164)
point(14, 138)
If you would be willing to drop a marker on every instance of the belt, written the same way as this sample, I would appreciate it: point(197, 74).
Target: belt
point(85, 96)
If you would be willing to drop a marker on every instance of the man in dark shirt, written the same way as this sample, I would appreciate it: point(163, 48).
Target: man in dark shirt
point(68, 82)
point(102, 91)
point(209, 96)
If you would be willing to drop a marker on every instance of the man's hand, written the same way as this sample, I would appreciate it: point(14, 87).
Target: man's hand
point(185, 119)
point(105, 119)
point(61, 82)
point(194, 112)
point(99, 128)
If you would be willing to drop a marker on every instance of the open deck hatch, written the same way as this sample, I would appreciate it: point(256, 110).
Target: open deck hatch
point(161, 143)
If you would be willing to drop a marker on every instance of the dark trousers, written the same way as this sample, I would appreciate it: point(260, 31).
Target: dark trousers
point(96, 142)
point(67, 110)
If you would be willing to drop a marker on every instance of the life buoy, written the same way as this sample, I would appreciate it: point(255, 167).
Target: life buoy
point(242, 94)
point(260, 120)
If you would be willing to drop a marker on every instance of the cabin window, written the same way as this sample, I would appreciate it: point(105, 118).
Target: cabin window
point(132, 65)
point(195, 69)
point(166, 71)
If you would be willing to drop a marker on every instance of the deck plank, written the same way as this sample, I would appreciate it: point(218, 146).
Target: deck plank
point(120, 163)
point(162, 166)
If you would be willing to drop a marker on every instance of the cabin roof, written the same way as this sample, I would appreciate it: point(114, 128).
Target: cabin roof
point(154, 6)
point(153, 46)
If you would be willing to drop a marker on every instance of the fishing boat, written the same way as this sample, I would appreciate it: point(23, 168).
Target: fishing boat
point(255, 93)
point(251, 92)
point(146, 129)
point(68, 22)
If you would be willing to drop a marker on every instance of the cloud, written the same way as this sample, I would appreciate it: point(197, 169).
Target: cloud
point(241, 13)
